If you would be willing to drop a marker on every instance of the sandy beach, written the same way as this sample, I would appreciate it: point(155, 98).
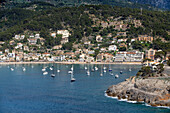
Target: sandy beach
point(128, 63)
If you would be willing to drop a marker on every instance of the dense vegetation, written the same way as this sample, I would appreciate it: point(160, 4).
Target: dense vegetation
point(18, 20)
point(61, 3)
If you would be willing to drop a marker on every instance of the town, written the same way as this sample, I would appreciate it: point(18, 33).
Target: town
point(108, 45)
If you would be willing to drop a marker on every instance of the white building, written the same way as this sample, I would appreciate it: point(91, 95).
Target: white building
point(64, 33)
point(37, 36)
point(112, 48)
point(130, 56)
point(99, 38)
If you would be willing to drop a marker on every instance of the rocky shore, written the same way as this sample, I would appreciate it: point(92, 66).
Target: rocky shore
point(153, 91)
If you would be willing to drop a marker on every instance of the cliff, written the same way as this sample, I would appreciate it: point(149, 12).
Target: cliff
point(153, 91)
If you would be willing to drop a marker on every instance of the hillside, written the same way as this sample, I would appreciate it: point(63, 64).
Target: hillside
point(164, 4)
point(85, 23)
point(61, 3)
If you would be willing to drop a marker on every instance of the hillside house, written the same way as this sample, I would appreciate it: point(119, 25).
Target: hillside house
point(99, 38)
point(145, 38)
point(112, 48)
point(149, 54)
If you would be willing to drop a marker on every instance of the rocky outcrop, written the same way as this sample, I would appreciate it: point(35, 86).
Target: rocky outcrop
point(155, 92)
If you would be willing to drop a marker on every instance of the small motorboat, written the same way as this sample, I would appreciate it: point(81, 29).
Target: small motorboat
point(104, 68)
point(96, 68)
point(43, 69)
point(116, 76)
point(45, 73)
point(70, 72)
point(53, 75)
point(92, 70)
point(51, 68)
point(121, 72)
point(12, 69)
point(110, 70)
point(85, 68)
point(111, 74)
point(104, 71)
point(130, 69)
point(101, 74)
point(24, 69)
point(58, 70)
point(73, 79)
point(88, 72)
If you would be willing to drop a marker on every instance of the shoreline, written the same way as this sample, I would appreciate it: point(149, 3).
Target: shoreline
point(134, 102)
point(124, 63)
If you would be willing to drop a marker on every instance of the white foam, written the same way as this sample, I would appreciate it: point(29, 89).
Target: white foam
point(125, 100)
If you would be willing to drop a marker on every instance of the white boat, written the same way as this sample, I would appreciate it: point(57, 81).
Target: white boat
point(44, 69)
point(45, 73)
point(96, 68)
point(85, 68)
point(58, 70)
point(130, 69)
point(101, 74)
point(32, 66)
point(12, 69)
point(73, 79)
point(72, 76)
point(92, 70)
point(104, 71)
point(116, 76)
point(121, 72)
point(104, 67)
point(72, 68)
point(88, 72)
point(111, 74)
point(70, 72)
point(52, 75)
point(51, 68)
point(24, 69)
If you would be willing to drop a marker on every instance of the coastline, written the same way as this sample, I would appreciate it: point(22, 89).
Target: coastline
point(152, 91)
point(133, 102)
point(124, 63)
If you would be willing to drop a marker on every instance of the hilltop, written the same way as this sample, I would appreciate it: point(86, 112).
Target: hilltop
point(70, 3)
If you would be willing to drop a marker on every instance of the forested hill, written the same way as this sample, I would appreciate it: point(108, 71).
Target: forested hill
point(80, 21)
point(70, 3)
point(164, 4)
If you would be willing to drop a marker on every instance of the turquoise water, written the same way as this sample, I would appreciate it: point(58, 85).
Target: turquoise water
point(33, 92)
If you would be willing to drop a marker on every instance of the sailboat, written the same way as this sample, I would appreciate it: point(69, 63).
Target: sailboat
point(72, 76)
point(110, 68)
point(101, 74)
point(85, 68)
point(58, 69)
point(71, 70)
point(51, 68)
point(23, 68)
point(45, 73)
point(116, 76)
point(88, 72)
point(53, 74)
point(104, 68)
point(44, 69)
point(96, 68)
point(12, 69)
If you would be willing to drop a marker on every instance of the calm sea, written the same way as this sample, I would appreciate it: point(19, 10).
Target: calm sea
point(33, 92)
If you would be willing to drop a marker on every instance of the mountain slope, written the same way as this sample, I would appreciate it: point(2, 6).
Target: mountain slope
point(59, 3)
point(164, 4)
